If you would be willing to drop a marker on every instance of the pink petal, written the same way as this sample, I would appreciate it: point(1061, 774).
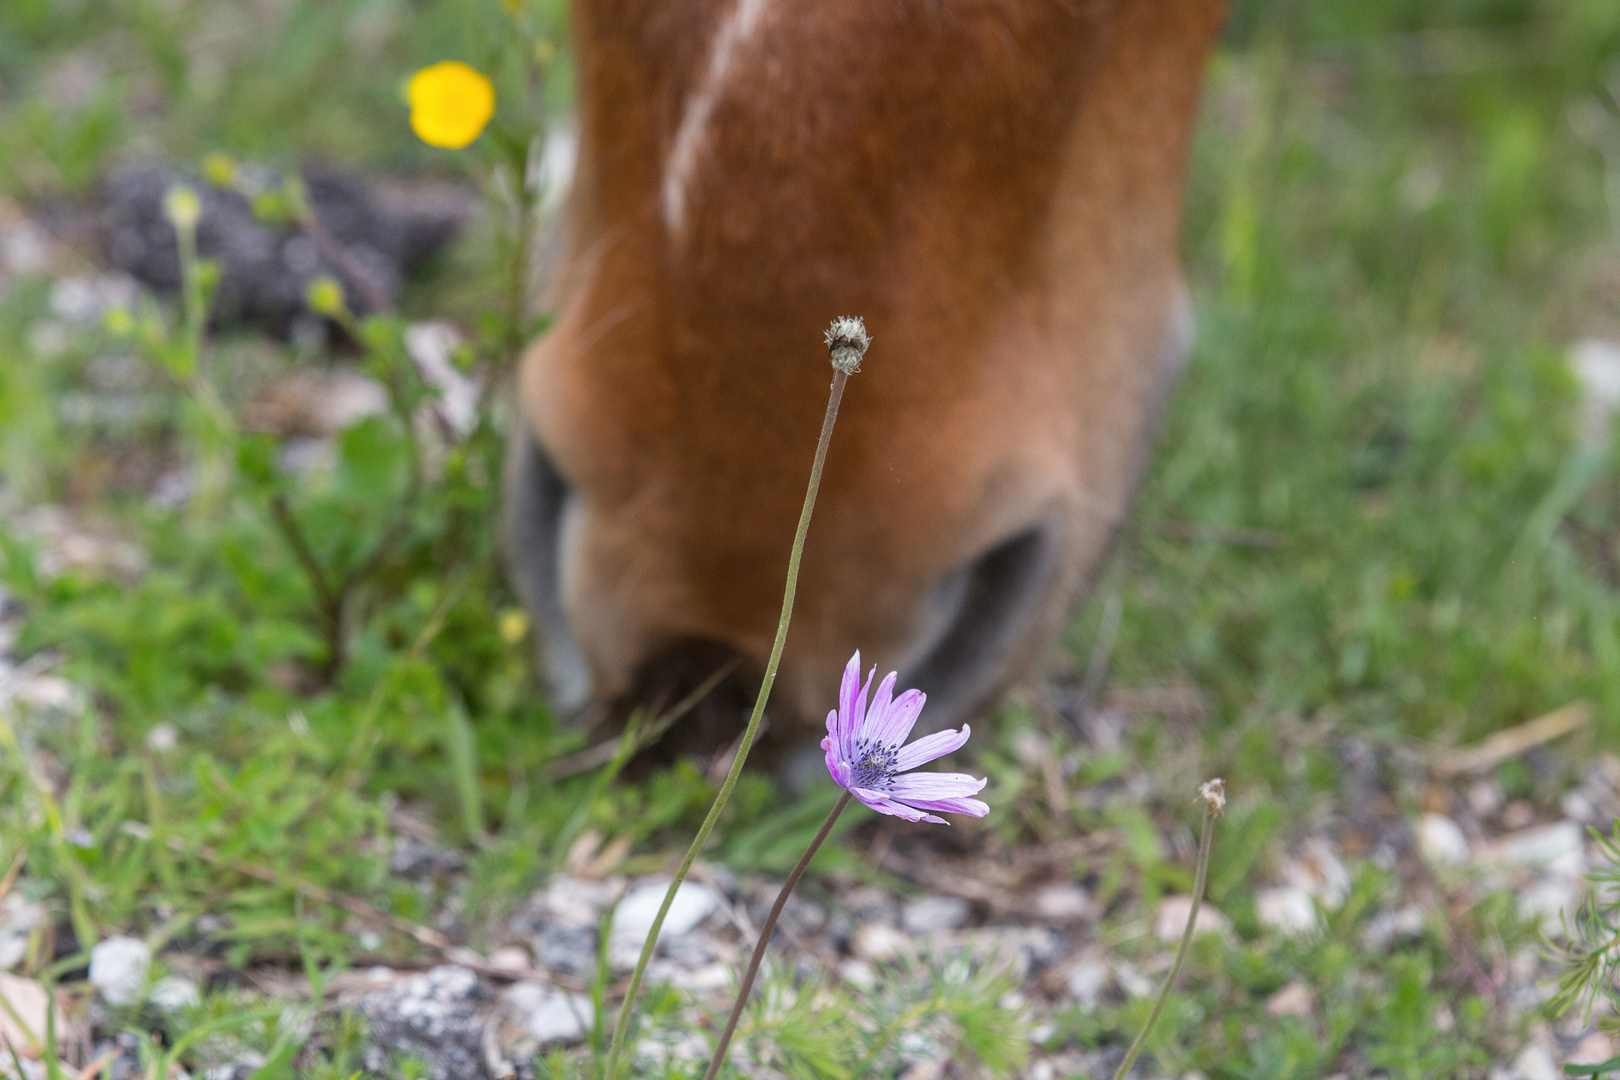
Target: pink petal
point(929, 747)
point(847, 694)
point(969, 807)
point(901, 718)
point(835, 763)
point(877, 714)
point(934, 785)
point(885, 805)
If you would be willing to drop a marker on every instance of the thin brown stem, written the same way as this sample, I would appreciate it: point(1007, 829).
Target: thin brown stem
point(747, 983)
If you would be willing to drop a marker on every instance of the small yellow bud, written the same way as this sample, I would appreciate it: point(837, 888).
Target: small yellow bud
point(219, 169)
point(118, 321)
point(450, 104)
point(324, 295)
point(182, 207)
point(513, 625)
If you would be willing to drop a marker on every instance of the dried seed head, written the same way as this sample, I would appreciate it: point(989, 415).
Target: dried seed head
point(847, 341)
point(1213, 792)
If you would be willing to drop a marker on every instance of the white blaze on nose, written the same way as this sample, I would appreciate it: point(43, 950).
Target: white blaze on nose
point(735, 30)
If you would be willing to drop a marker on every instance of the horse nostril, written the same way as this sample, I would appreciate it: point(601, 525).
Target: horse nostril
point(1000, 599)
point(707, 682)
point(537, 501)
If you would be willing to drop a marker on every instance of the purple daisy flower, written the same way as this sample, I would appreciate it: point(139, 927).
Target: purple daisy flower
point(865, 757)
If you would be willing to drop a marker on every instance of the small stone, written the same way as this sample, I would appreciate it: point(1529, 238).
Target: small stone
point(18, 918)
point(1440, 840)
point(1593, 1048)
point(933, 914)
point(174, 993)
point(574, 902)
point(420, 859)
point(118, 969)
point(567, 949)
point(162, 738)
point(1577, 807)
point(1319, 872)
point(1171, 920)
point(242, 1067)
point(857, 973)
point(510, 958)
point(1535, 1063)
point(880, 941)
point(27, 998)
point(1288, 910)
point(1518, 814)
point(1388, 926)
point(633, 918)
point(1557, 848)
point(1484, 797)
point(1295, 999)
point(47, 693)
point(1062, 902)
point(431, 346)
point(1086, 982)
point(1554, 899)
point(551, 1015)
point(1595, 363)
point(1133, 982)
point(437, 1015)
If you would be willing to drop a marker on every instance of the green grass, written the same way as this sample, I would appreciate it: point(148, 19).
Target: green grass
point(1394, 229)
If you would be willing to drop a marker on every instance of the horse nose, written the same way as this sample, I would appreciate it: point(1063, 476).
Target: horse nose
point(998, 611)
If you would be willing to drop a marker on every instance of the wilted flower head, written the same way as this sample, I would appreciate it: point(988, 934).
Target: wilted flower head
point(450, 104)
point(865, 755)
point(847, 342)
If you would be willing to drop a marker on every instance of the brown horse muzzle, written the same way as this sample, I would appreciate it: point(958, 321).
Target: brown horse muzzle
point(997, 192)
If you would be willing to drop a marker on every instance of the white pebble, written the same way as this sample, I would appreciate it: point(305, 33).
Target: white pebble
point(1062, 901)
point(1441, 841)
point(1171, 920)
point(879, 941)
point(1087, 981)
point(1288, 910)
point(554, 1016)
point(173, 993)
point(633, 918)
point(931, 914)
point(118, 968)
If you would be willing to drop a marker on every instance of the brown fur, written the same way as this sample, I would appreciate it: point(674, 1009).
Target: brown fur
point(994, 185)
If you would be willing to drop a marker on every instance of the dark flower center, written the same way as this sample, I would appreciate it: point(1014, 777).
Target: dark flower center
point(873, 767)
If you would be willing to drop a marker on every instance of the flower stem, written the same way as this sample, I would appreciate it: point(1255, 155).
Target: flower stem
point(747, 983)
point(1214, 800)
point(622, 1027)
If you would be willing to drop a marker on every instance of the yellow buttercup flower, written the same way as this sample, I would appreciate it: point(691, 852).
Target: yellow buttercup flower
point(450, 104)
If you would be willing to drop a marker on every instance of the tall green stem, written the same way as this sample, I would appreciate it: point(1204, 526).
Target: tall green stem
point(1214, 795)
point(747, 983)
point(622, 1027)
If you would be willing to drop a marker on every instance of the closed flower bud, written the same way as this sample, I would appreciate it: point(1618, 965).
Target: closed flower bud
point(182, 207)
point(324, 295)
